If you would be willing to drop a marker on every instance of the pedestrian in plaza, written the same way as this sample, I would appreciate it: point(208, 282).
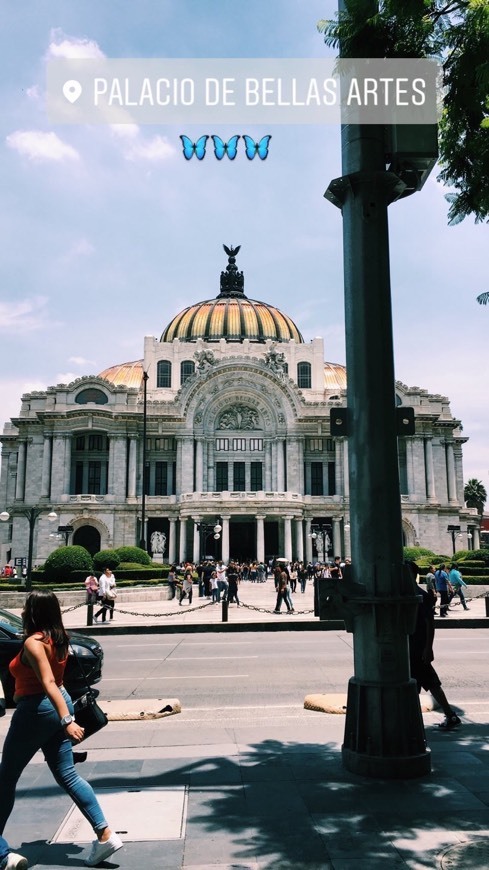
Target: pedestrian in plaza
point(91, 589)
point(187, 586)
point(43, 719)
point(282, 596)
point(443, 588)
point(107, 593)
point(421, 655)
point(214, 588)
point(458, 584)
point(233, 581)
point(293, 577)
point(172, 581)
point(335, 570)
point(431, 583)
point(303, 577)
point(222, 581)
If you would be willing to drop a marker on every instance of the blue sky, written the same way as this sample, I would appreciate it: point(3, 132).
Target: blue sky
point(106, 233)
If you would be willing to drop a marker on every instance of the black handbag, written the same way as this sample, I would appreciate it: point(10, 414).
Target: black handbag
point(89, 715)
point(87, 712)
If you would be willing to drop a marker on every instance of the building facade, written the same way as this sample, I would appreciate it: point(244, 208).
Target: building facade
point(236, 411)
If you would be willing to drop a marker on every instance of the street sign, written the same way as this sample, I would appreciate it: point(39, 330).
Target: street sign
point(20, 562)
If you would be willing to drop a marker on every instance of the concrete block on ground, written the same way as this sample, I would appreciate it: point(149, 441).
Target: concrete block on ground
point(140, 708)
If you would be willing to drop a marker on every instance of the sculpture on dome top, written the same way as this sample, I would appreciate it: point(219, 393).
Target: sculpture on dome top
point(205, 359)
point(232, 281)
point(275, 361)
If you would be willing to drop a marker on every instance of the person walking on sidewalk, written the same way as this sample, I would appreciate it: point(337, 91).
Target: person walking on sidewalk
point(233, 581)
point(282, 584)
point(421, 656)
point(187, 586)
point(457, 584)
point(443, 588)
point(108, 593)
point(44, 720)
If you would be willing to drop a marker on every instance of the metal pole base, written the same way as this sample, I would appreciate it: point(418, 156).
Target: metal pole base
point(224, 610)
point(384, 732)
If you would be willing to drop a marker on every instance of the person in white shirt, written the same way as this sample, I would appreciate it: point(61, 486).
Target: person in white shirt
point(107, 592)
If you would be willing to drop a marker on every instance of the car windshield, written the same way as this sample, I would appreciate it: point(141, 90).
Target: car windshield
point(11, 619)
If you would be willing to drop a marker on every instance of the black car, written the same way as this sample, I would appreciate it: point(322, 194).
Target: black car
point(89, 657)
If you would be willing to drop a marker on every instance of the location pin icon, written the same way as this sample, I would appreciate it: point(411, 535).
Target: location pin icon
point(72, 90)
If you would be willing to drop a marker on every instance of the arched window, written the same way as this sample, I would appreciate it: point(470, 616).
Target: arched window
point(91, 394)
point(304, 375)
point(163, 373)
point(187, 369)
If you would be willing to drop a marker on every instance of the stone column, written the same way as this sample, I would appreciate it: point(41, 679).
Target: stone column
point(172, 544)
point(225, 538)
point(288, 538)
point(430, 471)
point(205, 445)
point(292, 446)
point(46, 466)
point(199, 464)
point(299, 540)
point(273, 447)
point(187, 470)
point(411, 483)
point(67, 465)
point(183, 540)
point(451, 480)
point(300, 459)
point(178, 481)
point(280, 466)
point(339, 452)
point(131, 483)
point(211, 483)
point(346, 534)
point(308, 546)
point(476, 538)
point(268, 466)
point(111, 469)
point(119, 473)
point(260, 537)
point(21, 461)
point(57, 467)
point(337, 548)
point(346, 478)
point(196, 545)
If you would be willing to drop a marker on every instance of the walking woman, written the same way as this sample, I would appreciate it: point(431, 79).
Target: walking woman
point(44, 720)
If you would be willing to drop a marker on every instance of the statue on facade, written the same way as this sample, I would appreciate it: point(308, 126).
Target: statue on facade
point(205, 359)
point(158, 543)
point(239, 417)
point(275, 361)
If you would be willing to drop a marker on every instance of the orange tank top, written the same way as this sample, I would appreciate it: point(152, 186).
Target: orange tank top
point(26, 681)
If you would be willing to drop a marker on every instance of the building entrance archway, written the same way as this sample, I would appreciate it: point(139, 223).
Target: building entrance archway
point(88, 537)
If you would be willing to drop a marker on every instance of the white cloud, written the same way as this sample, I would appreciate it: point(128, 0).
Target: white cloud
point(40, 146)
point(72, 46)
point(155, 149)
point(34, 93)
point(125, 131)
point(81, 361)
point(66, 377)
point(24, 316)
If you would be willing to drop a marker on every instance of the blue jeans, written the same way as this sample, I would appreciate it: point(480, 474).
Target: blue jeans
point(4, 850)
point(35, 725)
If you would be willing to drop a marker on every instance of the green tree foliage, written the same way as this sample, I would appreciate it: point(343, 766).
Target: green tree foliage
point(62, 561)
point(106, 559)
point(136, 555)
point(475, 495)
point(456, 32)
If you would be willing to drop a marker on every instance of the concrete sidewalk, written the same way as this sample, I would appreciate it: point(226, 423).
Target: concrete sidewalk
point(265, 794)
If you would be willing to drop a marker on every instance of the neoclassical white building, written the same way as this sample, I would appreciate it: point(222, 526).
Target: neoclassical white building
point(237, 430)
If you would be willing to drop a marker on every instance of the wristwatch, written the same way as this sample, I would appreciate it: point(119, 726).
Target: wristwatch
point(66, 720)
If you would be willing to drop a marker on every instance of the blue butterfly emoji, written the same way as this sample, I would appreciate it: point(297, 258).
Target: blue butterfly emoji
point(260, 148)
point(190, 148)
point(221, 148)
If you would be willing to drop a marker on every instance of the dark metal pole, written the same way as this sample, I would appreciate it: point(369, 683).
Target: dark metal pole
point(384, 733)
point(32, 516)
point(142, 541)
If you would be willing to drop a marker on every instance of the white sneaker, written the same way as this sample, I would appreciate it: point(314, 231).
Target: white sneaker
point(16, 862)
point(101, 851)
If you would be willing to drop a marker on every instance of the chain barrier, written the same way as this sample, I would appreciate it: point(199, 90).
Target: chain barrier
point(266, 610)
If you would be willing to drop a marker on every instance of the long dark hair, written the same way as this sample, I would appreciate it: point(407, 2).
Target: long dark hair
point(42, 613)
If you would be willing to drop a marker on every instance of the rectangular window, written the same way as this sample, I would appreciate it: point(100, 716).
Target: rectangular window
point(331, 478)
point(315, 445)
point(239, 443)
point(317, 478)
point(164, 443)
point(222, 444)
point(330, 445)
point(161, 478)
point(256, 476)
point(256, 443)
point(80, 442)
point(78, 478)
point(97, 442)
point(239, 479)
point(221, 476)
point(94, 477)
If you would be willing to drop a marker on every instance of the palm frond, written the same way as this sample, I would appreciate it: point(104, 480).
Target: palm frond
point(483, 298)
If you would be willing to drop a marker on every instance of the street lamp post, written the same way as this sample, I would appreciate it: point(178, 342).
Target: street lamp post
point(454, 531)
point(31, 514)
point(205, 530)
